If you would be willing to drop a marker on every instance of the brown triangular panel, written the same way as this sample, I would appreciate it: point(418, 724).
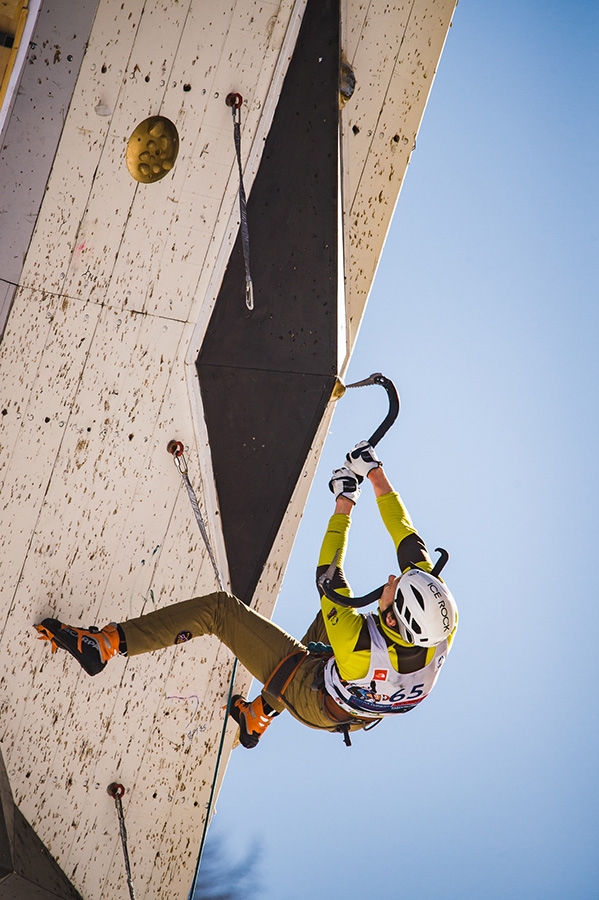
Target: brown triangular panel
point(266, 375)
point(27, 870)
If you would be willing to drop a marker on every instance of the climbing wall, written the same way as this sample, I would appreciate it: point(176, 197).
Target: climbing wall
point(111, 286)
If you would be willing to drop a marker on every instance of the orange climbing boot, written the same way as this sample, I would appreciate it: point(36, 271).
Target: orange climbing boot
point(91, 647)
point(253, 718)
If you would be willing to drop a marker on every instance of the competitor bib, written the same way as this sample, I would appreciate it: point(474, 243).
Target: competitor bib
point(383, 691)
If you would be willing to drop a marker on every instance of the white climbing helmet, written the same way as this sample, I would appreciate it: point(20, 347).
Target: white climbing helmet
point(425, 610)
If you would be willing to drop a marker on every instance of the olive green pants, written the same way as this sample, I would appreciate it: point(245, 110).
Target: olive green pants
point(257, 642)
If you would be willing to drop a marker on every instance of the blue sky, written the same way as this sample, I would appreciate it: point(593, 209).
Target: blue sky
point(484, 312)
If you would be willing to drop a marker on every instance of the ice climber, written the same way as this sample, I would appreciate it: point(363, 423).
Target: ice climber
point(351, 669)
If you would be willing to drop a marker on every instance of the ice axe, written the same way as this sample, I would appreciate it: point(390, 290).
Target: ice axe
point(394, 404)
point(324, 582)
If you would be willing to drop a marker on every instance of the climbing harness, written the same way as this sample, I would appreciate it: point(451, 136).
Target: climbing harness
point(235, 101)
point(325, 580)
point(282, 675)
point(117, 792)
point(176, 449)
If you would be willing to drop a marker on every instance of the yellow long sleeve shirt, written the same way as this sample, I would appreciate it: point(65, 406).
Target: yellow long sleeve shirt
point(344, 624)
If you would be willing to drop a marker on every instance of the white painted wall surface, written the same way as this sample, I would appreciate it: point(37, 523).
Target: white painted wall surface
point(394, 49)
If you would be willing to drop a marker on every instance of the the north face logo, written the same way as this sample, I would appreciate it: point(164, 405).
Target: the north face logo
point(183, 636)
point(380, 674)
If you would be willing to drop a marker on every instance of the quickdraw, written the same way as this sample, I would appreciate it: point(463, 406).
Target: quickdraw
point(175, 448)
point(325, 580)
point(117, 792)
point(235, 101)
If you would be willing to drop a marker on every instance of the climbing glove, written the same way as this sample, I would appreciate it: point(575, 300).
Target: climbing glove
point(345, 484)
point(362, 459)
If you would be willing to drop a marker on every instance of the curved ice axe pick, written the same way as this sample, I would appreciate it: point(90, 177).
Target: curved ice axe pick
point(393, 396)
point(441, 562)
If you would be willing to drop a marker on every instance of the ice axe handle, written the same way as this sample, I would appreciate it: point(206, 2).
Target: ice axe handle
point(391, 416)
